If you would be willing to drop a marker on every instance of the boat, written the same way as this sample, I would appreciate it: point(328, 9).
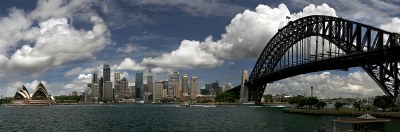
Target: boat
point(279, 106)
point(249, 103)
point(185, 104)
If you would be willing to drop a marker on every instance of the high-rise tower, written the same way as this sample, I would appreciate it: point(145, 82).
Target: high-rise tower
point(94, 86)
point(107, 91)
point(173, 82)
point(117, 86)
point(123, 88)
point(193, 87)
point(185, 85)
point(106, 72)
point(139, 85)
point(150, 83)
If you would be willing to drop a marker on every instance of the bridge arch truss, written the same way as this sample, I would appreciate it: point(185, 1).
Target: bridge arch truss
point(317, 43)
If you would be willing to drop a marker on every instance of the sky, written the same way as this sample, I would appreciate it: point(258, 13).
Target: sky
point(60, 43)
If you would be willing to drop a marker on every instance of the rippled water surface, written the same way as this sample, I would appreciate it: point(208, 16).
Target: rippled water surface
point(146, 117)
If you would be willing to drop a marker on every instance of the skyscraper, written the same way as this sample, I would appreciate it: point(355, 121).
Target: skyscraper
point(107, 91)
point(123, 88)
point(177, 90)
point(94, 87)
point(117, 86)
point(139, 85)
point(101, 87)
point(172, 81)
point(185, 85)
point(244, 95)
point(213, 88)
point(150, 83)
point(158, 91)
point(106, 73)
point(165, 85)
point(193, 87)
point(117, 76)
point(95, 78)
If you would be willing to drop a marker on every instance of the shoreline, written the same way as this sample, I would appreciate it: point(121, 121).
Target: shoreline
point(341, 112)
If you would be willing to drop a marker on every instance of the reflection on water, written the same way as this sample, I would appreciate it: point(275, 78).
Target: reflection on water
point(151, 117)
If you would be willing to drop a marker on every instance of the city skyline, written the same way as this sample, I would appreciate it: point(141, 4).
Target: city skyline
point(196, 39)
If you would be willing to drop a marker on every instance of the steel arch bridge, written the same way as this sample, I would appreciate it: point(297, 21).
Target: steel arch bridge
point(318, 43)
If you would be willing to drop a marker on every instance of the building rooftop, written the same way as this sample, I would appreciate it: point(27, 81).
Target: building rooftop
point(366, 118)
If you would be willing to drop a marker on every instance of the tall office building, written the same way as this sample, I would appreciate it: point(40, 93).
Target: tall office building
point(173, 82)
point(213, 88)
point(132, 92)
point(185, 85)
point(95, 78)
point(177, 90)
point(117, 86)
point(106, 73)
point(150, 83)
point(165, 85)
point(139, 85)
point(123, 88)
point(244, 95)
point(107, 90)
point(117, 76)
point(94, 86)
point(194, 87)
point(158, 91)
point(101, 87)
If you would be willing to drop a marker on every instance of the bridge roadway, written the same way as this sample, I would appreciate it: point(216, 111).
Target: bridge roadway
point(342, 62)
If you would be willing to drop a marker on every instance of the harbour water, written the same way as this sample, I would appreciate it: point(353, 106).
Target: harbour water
point(152, 117)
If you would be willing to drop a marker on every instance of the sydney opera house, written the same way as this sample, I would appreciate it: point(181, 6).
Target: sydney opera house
point(39, 97)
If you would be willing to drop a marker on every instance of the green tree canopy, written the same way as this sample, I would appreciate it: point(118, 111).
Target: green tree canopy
point(339, 104)
point(383, 102)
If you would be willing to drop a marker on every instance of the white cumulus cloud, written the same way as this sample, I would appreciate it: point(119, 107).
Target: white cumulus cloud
point(190, 54)
point(74, 71)
point(249, 32)
point(58, 43)
point(129, 64)
point(393, 26)
point(327, 85)
point(129, 48)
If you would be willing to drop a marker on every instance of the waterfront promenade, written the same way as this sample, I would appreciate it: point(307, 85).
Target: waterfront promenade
point(342, 112)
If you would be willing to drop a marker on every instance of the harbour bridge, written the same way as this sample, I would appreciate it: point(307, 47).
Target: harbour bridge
point(319, 43)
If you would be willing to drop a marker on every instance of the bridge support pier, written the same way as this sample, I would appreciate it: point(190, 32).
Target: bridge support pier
point(244, 93)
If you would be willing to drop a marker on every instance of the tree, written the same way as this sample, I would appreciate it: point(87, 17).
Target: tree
point(299, 100)
point(383, 102)
point(302, 102)
point(268, 98)
point(5, 101)
point(311, 101)
point(358, 104)
point(339, 105)
point(226, 97)
point(321, 104)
